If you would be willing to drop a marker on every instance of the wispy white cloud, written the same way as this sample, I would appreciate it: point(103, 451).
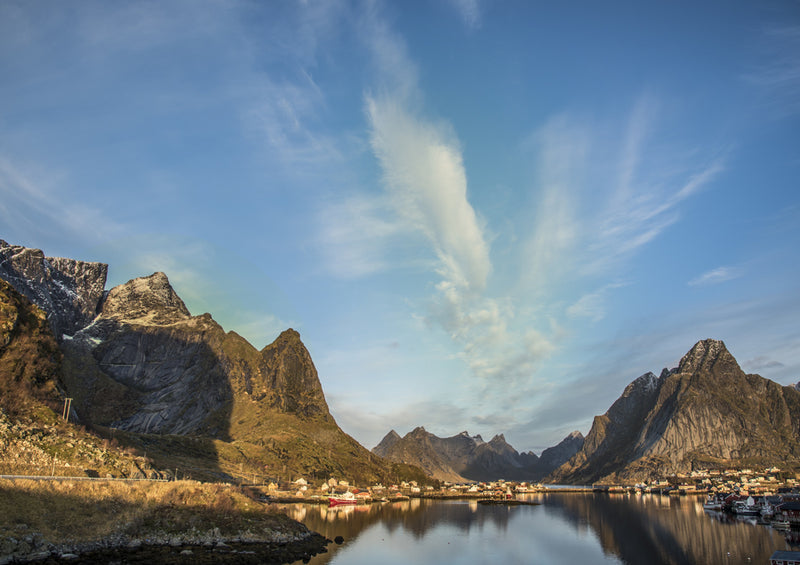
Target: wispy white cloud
point(424, 176)
point(716, 276)
point(592, 305)
point(592, 217)
point(469, 11)
point(32, 206)
point(425, 182)
point(288, 115)
point(356, 233)
point(645, 194)
point(778, 71)
point(561, 150)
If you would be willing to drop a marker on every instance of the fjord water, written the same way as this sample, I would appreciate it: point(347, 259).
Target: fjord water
point(564, 528)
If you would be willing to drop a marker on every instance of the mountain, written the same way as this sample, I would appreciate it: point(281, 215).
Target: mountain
point(553, 457)
point(34, 438)
point(704, 413)
point(68, 291)
point(462, 458)
point(142, 370)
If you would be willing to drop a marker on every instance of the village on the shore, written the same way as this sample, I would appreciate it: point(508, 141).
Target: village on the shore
point(746, 482)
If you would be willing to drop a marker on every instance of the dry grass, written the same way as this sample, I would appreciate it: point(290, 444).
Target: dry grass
point(71, 511)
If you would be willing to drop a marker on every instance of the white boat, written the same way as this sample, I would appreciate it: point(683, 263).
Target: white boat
point(712, 503)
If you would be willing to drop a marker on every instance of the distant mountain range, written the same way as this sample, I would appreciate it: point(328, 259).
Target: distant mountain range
point(141, 369)
point(463, 458)
point(706, 413)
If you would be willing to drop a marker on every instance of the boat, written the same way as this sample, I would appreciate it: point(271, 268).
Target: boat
point(341, 499)
point(746, 507)
point(712, 503)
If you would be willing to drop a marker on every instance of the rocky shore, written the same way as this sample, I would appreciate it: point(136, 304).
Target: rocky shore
point(190, 547)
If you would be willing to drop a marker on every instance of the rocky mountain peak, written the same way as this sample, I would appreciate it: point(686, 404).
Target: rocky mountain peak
point(69, 291)
point(386, 443)
point(498, 438)
point(554, 456)
point(704, 355)
point(150, 300)
point(291, 374)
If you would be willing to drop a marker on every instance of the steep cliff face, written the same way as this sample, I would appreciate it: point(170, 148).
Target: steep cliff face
point(289, 373)
point(68, 291)
point(146, 365)
point(705, 412)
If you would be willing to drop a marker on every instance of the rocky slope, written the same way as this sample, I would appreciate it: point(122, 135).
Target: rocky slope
point(705, 413)
point(34, 438)
point(463, 458)
point(30, 360)
point(140, 367)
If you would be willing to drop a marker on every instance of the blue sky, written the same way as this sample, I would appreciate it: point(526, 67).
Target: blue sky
point(480, 215)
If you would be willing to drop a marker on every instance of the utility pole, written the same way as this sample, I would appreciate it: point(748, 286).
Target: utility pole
point(67, 406)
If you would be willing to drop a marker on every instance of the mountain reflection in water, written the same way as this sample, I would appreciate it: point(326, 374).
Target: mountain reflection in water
point(565, 528)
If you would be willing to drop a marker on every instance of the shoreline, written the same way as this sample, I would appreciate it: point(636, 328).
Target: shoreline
point(188, 547)
point(239, 552)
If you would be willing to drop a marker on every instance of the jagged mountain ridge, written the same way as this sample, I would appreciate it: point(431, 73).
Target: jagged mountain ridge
point(704, 413)
point(464, 458)
point(69, 291)
point(139, 365)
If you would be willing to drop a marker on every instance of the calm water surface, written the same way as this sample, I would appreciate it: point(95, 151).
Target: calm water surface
point(565, 528)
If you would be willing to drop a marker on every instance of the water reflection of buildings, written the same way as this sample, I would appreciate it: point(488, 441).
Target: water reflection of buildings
point(655, 529)
point(634, 529)
point(416, 516)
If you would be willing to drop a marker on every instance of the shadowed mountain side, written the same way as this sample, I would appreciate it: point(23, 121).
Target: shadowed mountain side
point(705, 413)
point(463, 458)
point(30, 360)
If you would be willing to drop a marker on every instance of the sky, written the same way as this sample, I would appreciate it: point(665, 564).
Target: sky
point(480, 215)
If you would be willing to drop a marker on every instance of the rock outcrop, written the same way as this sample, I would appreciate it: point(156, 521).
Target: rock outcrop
point(705, 413)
